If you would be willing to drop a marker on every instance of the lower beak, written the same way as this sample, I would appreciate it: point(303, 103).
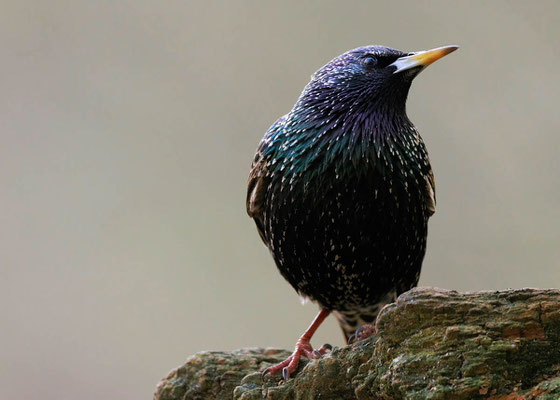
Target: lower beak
point(422, 58)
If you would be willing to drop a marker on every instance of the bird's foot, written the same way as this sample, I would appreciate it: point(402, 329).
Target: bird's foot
point(290, 364)
point(363, 332)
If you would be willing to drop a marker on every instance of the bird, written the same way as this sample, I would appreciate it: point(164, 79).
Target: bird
point(341, 190)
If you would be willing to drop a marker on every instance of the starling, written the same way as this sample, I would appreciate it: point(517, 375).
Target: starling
point(341, 190)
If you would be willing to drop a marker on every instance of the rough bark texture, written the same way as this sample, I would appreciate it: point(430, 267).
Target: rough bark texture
point(430, 344)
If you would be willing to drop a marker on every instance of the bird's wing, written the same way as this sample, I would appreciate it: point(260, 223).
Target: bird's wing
point(259, 177)
point(430, 192)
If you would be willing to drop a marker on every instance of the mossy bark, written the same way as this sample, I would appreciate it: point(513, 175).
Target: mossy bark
point(430, 344)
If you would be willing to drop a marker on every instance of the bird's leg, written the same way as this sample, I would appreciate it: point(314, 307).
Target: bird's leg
point(303, 347)
point(363, 332)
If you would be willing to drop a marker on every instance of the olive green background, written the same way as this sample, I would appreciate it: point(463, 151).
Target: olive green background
point(127, 130)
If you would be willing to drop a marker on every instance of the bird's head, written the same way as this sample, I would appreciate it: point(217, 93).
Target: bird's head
point(370, 77)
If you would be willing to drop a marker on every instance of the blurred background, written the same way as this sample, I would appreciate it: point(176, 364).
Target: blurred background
point(127, 130)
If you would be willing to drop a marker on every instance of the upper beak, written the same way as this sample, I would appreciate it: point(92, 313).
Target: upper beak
point(422, 58)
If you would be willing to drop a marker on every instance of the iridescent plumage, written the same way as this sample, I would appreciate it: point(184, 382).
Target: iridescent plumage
point(341, 187)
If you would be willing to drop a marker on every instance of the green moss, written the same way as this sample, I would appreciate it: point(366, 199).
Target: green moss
point(431, 344)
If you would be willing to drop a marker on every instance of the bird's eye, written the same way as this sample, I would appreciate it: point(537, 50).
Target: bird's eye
point(369, 62)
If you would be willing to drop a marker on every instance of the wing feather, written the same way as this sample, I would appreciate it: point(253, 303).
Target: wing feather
point(260, 178)
point(430, 192)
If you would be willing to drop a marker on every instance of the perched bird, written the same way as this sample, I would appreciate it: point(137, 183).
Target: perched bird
point(341, 189)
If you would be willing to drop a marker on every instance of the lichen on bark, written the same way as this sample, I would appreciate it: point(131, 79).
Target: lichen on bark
point(430, 344)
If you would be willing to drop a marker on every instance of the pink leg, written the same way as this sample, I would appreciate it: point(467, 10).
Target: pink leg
point(303, 348)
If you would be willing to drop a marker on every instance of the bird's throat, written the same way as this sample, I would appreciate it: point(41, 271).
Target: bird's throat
point(377, 141)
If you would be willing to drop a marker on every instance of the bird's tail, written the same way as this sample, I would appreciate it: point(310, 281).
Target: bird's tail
point(351, 320)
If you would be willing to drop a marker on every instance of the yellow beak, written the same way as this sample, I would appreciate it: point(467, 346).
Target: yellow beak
point(422, 58)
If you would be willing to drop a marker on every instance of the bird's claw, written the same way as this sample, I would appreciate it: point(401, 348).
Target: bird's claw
point(289, 365)
point(322, 350)
point(363, 332)
point(355, 335)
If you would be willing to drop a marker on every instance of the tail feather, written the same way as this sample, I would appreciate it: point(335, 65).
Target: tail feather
point(350, 320)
